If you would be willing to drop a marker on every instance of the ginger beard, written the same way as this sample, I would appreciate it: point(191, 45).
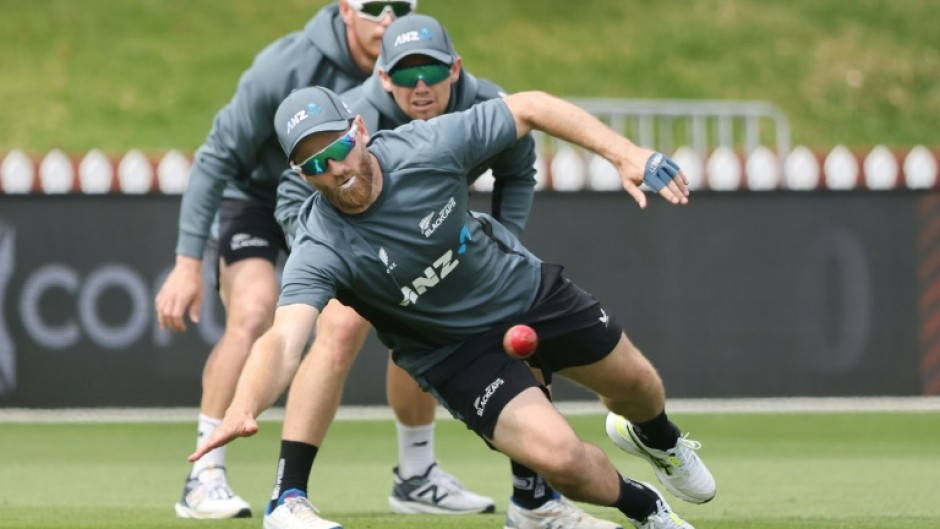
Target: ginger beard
point(357, 195)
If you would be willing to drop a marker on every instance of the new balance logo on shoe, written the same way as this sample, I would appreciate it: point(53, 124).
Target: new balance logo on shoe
point(435, 492)
point(432, 493)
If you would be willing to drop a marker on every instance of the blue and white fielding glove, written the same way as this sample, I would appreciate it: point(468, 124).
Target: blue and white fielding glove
point(660, 170)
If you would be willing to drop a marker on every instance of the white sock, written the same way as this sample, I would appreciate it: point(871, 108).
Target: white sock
point(215, 458)
point(415, 449)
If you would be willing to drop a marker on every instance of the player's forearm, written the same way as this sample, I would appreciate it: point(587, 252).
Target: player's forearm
point(568, 122)
point(267, 373)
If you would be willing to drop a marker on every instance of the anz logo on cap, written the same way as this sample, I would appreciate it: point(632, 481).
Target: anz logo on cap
point(412, 36)
point(311, 110)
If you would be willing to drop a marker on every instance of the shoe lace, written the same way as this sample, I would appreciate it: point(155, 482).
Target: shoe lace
point(212, 485)
point(445, 480)
point(663, 518)
point(558, 514)
point(681, 459)
point(301, 508)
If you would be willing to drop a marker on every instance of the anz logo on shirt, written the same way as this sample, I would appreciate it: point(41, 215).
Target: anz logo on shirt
point(438, 270)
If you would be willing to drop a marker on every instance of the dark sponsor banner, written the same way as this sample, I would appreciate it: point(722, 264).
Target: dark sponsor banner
point(751, 294)
point(80, 274)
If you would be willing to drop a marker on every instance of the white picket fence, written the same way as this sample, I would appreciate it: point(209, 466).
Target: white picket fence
point(566, 169)
point(721, 145)
point(570, 169)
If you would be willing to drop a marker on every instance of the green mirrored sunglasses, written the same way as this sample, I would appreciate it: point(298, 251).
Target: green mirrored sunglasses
point(409, 76)
point(338, 150)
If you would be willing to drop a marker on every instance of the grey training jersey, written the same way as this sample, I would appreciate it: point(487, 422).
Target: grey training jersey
point(241, 157)
point(423, 269)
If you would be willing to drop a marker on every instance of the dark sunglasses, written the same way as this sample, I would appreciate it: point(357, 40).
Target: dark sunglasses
point(338, 151)
point(375, 11)
point(409, 76)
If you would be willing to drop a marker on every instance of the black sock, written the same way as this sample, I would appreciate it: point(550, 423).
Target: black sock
point(293, 469)
point(529, 490)
point(636, 501)
point(658, 432)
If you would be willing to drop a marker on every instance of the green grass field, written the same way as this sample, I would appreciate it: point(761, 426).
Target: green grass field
point(774, 471)
point(150, 74)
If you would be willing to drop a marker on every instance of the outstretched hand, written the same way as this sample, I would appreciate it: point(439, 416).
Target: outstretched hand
point(233, 426)
point(662, 175)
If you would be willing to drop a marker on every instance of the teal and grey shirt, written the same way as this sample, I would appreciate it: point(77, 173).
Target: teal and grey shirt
point(423, 269)
point(241, 157)
point(513, 168)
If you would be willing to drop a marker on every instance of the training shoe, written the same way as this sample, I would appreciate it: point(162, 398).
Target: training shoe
point(558, 513)
point(662, 518)
point(296, 512)
point(435, 492)
point(208, 496)
point(679, 469)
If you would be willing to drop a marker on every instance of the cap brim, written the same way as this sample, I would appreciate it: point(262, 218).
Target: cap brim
point(329, 126)
point(437, 55)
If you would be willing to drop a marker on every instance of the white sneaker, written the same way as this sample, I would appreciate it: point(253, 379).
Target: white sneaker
point(436, 492)
point(663, 518)
point(208, 496)
point(297, 513)
point(679, 469)
point(554, 514)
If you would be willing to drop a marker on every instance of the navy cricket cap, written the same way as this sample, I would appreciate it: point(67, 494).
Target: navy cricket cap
point(416, 35)
point(308, 111)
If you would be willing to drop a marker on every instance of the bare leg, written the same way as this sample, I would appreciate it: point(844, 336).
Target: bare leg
point(531, 431)
point(412, 406)
point(249, 293)
point(626, 381)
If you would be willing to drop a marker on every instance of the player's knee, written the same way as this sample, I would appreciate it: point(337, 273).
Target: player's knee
point(332, 361)
point(249, 320)
point(562, 462)
point(638, 378)
point(342, 327)
point(645, 388)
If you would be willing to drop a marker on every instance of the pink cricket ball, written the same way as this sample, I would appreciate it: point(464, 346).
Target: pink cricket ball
point(520, 341)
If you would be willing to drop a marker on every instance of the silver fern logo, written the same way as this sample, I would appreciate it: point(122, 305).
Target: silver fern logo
point(7, 350)
point(389, 266)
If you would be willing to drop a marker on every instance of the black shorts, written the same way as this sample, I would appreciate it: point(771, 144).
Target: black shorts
point(479, 379)
point(247, 228)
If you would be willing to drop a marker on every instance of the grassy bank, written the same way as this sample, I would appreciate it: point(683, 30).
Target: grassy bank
point(151, 74)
